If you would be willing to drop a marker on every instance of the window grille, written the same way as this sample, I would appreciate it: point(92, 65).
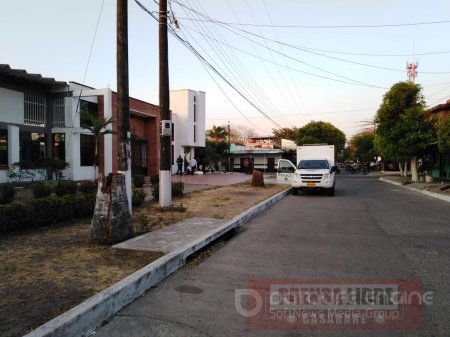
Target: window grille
point(35, 108)
point(58, 112)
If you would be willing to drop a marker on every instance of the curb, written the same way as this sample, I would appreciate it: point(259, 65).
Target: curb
point(83, 319)
point(430, 194)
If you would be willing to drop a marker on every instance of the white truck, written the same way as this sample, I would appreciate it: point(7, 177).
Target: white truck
point(315, 169)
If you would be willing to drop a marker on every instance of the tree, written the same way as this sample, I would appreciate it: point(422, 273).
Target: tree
point(361, 146)
point(404, 128)
point(98, 128)
point(443, 134)
point(240, 133)
point(286, 133)
point(321, 133)
point(217, 134)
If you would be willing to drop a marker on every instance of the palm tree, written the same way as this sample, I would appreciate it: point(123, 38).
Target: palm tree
point(217, 134)
point(98, 128)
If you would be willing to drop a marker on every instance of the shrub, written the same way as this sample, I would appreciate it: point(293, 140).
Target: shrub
point(14, 216)
point(177, 190)
point(138, 197)
point(7, 193)
point(45, 211)
point(154, 180)
point(88, 186)
point(42, 190)
point(66, 187)
point(138, 180)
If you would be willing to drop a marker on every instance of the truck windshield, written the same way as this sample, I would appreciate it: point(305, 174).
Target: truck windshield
point(314, 164)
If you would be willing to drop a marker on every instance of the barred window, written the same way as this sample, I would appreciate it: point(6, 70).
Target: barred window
point(58, 112)
point(35, 108)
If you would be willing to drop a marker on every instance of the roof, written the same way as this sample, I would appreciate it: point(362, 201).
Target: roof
point(21, 76)
point(441, 107)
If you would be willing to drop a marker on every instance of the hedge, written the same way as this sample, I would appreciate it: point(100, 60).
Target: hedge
point(45, 211)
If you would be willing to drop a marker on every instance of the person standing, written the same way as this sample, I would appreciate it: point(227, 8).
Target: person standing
point(180, 165)
point(246, 165)
point(193, 165)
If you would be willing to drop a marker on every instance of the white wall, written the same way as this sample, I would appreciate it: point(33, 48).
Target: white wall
point(11, 106)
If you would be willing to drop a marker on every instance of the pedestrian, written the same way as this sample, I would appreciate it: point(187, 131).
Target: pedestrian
point(246, 165)
point(180, 165)
point(193, 165)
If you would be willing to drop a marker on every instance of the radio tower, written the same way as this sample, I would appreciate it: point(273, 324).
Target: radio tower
point(411, 69)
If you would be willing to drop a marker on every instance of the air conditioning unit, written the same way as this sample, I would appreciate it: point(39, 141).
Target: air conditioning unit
point(166, 127)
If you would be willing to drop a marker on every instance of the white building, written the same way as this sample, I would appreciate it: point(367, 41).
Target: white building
point(40, 118)
point(188, 116)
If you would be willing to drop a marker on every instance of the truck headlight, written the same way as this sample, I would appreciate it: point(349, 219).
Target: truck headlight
point(326, 175)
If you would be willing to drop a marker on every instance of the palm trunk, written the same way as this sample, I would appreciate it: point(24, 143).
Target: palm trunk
point(400, 168)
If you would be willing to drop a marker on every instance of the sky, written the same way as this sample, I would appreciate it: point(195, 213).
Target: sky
point(264, 64)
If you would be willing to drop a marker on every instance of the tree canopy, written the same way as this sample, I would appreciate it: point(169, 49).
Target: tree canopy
point(217, 134)
point(443, 134)
point(286, 133)
point(404, 127)
point(361, 146)
point(321, 132)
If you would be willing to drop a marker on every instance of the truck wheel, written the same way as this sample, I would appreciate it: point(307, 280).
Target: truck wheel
point(294, 191)
point(330, 192)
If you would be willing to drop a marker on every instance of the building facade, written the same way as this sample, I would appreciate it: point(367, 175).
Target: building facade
point(441, 167)
point(40, 118)
point(188, 118)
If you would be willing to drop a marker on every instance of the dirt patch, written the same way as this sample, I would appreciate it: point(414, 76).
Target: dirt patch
point(44, 272)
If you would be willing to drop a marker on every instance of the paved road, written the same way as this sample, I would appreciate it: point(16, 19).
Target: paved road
point(369, 230)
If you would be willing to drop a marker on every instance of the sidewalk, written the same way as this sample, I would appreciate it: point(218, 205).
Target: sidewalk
point(439, 189)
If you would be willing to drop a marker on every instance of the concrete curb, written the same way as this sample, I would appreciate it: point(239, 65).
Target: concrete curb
point(430, 194)
point(83, 319)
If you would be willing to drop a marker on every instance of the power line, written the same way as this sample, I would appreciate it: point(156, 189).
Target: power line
point(330, 26)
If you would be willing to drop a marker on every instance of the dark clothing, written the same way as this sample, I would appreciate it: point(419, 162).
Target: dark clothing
point(180, 165)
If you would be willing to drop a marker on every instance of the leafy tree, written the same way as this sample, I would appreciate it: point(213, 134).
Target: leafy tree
point(217, 134)
point(321, 133)
point(213, 153)
point(361, 146)
point(98, 128)
point(286, 133)
point(443, 134)
point(404, 127)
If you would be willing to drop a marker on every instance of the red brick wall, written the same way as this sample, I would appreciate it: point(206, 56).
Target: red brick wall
point(144, 124)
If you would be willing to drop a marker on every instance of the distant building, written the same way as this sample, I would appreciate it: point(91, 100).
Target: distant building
point(188, 117)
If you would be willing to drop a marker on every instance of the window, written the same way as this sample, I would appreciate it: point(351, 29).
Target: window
point(195, 111)
point(32, 146)
point(173, 132)
point(195, 136)
point(59, 146)
point(88, 107)
point(58, 112)
point(3, 148)
point(35, 108)
point(87, 150)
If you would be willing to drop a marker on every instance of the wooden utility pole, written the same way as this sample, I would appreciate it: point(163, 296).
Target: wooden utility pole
point(123, 100)
point(165, 184)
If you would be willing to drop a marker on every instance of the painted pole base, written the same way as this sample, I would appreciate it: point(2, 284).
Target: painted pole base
point(111, 222)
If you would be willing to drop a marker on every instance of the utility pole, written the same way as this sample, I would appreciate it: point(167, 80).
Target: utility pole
point(123, 100)
point(165, 183)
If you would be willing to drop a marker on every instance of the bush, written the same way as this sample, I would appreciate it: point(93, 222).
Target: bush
point(88, 187)
point(42, 190)
point(177, 190)
point(138, 197)
point(154, 180)
point(45, 211)
point(7, 193)
point(138, 180)
point(66, 187)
